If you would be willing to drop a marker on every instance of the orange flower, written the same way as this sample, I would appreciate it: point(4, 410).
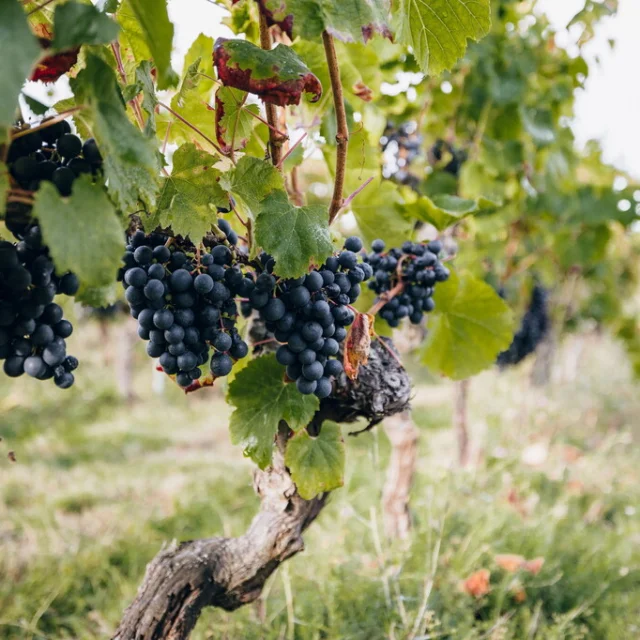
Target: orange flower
point(519, 594)
point(534, 566)
point(477, 584)
point(510, 562)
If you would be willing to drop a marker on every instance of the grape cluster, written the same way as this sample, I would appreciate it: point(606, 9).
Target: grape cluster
point(309, 315)
point(534, 327)
point(32, 327)
point(401, 146)
point(52, 154)
point(444, 154)
point(185, 307)
point(412, 273)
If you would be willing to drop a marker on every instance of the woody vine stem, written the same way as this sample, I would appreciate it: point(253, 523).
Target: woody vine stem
point(276, 139)
point(342, 136)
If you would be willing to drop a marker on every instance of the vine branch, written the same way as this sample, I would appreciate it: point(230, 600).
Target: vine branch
point(276, 140)
point(135, 105)
point(191, 126)
point(342, 136)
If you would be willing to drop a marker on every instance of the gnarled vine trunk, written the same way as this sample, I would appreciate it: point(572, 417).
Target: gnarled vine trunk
point(230, 572)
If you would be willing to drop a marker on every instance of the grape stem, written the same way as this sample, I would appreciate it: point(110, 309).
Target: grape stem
point(349, 199)
point(267, 341)
point(386, 297)
point(291, 148)
point(39, 7)
point(191, 126)
point(48, 123)
point(342, 136)
point(135, 105)
point(276, 140)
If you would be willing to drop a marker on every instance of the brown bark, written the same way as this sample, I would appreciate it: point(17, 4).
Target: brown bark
point(230, 572)
point(403, 435)
point(221, 572)
point(460, 420)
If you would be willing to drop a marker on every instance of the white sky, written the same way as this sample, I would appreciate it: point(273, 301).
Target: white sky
point(609, 109)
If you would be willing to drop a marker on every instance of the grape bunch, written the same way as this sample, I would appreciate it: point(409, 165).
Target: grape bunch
point(309, 315)
point(534, 327)
point(32, 327)
point(445, 156)
point(401, 146)
point(410, 273)
point(52, 154)
point(185, 307)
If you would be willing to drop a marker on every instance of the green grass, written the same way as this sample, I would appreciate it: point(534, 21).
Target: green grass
point(100, 485)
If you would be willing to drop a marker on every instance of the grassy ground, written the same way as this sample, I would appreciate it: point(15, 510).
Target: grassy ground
point(98, 486)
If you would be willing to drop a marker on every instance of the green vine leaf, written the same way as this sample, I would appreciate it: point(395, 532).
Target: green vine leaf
point(294, 236)
point(234, 122)
point(250, 182)
point(438, 30)
point(130, 161)
point(469, 327)
point(156, 30)
point(188, 194)
point(19, 51)
point(193, 97)
point(277, 76)
point(316, 464)
point(261, 399)
point(443, 210)
point(82, 231)
point(75, 24)
point(149, 98)
point(378, 213)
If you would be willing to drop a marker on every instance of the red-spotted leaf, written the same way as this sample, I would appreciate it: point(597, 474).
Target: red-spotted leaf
point(347, 20)
point(277, 76)
point(49, 69)
point(277, 13)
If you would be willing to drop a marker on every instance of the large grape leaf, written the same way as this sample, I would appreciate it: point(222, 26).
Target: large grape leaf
point(277, 76)
point(75, 24)
point(262, 399)
point(378, 213)
point(250, 182)
point(469, 327)
point(19, 51)
point(443, 210)
point(82, 231)
point(316, 464)
point(156, 30)
point(234, 122)
point(187, 195)
point(294, 236)
point(438, 30)
point(130, 162)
